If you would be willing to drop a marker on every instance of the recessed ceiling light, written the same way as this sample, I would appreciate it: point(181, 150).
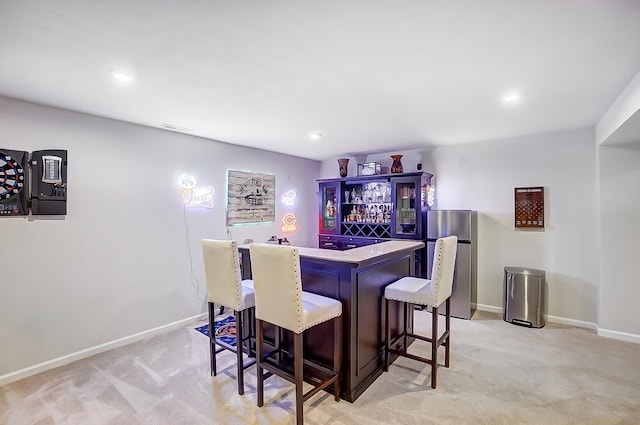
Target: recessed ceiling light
point(315, 136)
point(514, 97)
point(121, 76)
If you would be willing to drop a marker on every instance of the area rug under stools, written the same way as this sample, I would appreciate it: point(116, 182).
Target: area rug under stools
point(225, 330)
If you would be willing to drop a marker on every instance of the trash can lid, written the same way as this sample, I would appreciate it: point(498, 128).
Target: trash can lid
point(524, 270)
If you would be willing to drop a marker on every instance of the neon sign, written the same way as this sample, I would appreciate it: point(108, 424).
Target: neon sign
point(289, 223)
point(289, 198)
point(195, 196)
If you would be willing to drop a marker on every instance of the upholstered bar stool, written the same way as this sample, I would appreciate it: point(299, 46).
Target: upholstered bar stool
point(281, 301)
point(430, 293)
point(225, 287)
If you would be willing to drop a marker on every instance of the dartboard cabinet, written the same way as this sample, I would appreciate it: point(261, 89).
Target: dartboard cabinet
point(14, 182)
point(36, 181)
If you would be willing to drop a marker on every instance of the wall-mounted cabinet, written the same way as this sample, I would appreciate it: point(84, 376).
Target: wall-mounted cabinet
point(358, 211)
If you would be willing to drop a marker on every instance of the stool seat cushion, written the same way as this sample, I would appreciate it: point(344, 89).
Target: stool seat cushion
point(411, 290)
point(317, 309)
point(247, 297)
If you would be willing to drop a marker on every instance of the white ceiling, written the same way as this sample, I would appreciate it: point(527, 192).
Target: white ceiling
point(369, 75)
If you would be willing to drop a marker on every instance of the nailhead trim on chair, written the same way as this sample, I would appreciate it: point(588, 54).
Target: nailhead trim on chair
point(321, 321)
point(296, 272)
point(236, 266)
point(435, 280)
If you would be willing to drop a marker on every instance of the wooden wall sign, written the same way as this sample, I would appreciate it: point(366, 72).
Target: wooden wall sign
point(529, 207)
point(250, 198)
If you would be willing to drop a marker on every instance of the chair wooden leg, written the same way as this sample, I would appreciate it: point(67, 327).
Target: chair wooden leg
point(212, 339)
point(447, 342)
point(387, 338)
point(337, 355)
point(239, 361)
point(405, 338)
point(259, 354)
point(298, 362)
point(251, 314)
point(434, 346)
point(277, 341)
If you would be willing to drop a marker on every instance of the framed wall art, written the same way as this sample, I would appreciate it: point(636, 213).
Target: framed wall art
point(250, 198)
point(529, 207)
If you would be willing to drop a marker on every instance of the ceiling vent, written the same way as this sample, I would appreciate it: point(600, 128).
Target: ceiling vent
point(176, 128)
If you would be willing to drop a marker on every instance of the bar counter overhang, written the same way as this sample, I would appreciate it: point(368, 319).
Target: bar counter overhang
point(357, 278)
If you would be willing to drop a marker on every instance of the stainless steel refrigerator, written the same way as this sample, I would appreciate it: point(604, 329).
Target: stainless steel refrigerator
point(461, 223)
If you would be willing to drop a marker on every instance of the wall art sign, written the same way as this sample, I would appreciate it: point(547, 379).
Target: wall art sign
point(289, 223)
point(195, 196)
point(250, 198)
point(288, 198)
point(529, 207)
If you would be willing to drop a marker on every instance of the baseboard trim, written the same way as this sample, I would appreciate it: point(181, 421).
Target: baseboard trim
point(572, 322)
point(489, 308)
point(552, 319)
point(82, 354)
point(623, 336)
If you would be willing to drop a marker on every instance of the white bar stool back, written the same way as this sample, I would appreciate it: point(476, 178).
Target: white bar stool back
point(425, 292)
point(226, 287)
point(281, 301)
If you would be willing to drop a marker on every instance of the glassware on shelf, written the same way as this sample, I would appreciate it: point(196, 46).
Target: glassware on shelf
point(387, 194)
point(331, 208)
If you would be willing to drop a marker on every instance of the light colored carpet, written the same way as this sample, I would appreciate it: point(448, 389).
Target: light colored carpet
point(500, 374)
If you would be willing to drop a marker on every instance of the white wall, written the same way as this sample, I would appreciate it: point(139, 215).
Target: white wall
point(618, 139)
point(482, 176)
point(120, 262)
point(625, 106)
point(620, 211)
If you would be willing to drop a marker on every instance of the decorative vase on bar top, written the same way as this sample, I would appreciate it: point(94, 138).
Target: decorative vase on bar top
point(396, 167)
point(343, 164)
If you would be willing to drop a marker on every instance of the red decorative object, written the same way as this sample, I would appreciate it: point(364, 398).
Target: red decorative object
point(343, 165)
point(396, 167)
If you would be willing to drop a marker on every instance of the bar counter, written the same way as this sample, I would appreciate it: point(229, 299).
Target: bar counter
point(357, 278)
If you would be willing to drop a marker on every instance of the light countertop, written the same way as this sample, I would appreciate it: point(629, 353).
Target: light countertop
point(357, 255)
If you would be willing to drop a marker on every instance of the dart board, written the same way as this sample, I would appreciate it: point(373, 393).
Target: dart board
point(13, 183)
point(11, 176)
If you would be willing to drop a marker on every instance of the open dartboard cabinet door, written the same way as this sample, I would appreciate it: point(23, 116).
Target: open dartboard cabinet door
point(49, 182)
point(14, 183)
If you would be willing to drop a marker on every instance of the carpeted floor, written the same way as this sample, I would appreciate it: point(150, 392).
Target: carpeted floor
point(500, 374)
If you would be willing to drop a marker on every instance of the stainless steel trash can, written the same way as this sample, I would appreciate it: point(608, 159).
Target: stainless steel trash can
point(524, 292)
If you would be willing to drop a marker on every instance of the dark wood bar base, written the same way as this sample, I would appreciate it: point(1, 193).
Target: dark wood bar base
point(360, 287)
